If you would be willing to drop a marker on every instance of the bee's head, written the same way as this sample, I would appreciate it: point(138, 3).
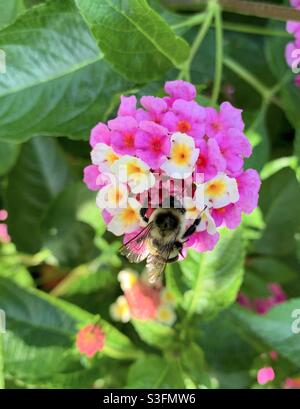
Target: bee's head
point(166, 221)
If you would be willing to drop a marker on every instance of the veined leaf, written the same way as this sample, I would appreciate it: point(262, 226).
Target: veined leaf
point(39, 175)
point(278, 329)
point(8, 156)
point(56, 81)
point(214, 277)
point(9, 11)
point(154, 333)
point(153, 372)
point(134, 38)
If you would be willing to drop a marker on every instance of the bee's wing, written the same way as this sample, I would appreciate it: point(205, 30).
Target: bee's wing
point(136, 249)
point(156, 262)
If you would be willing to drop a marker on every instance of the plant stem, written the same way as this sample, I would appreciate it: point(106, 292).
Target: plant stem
point(185, 72)
point(192, 21)
point(219, 55)
point(248, 29)
point(248, 8)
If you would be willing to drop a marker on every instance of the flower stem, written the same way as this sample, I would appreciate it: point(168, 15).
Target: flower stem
point(219, 55)
point(185, 72)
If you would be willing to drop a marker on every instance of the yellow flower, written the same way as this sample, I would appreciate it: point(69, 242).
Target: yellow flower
point(166, 315)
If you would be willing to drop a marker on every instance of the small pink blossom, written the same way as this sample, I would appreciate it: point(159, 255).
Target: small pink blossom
point(202, 241)
point(91, 174)
point(90, 340)
point(127, 106)
point(229, 215)
point(152, 143)
point(248, 185)
point(179, 89)
point(265, 375)
point(3, 215)
point(143, 301)
point(155, 108)
point(100, 134)
point(297, 81)
point(124, 129)
point(186, 117)
point(4, 236)
point(228, 117)
point(210, 160)
point(234, 147)
point(292, 383)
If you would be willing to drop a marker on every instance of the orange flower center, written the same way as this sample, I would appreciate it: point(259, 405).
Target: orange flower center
point(129, 140)
point(183, 126)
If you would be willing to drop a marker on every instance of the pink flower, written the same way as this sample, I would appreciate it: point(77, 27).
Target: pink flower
point(123, 134)
point(202, 241)
point(292, 383)
point(273, 355)
point(229, 215)
point(297, 80)
point(244, 300)
point(100, 134)
point(248, 186)
point(143, 301)
point(277, 292)
point(3, 215)
point(265, 375)
point(234, 147)
point(295, 3)
point(228, 117)
point(4, 236)
point(90, 340)
point(152, 144)
point(210, 160)
point(263, 305)
point(179, 89)
point(91, 174)
point(186, 117)
point(291, 53)
point(155, 108)
point(127, 106)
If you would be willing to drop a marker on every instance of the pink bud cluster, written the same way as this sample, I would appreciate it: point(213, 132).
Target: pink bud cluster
point(141, 301)
point(292, 50)
point(263, 304)
point(90, 339)
point(174, 137)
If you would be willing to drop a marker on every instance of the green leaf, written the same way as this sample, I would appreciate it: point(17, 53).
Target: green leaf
point(134, 38)
point(214, 277)
point(8, 156)
point(153, 372)
point(233, 355)
point(279, 201)
point(2, 382)
point(64, 91)
point(275, 328)
point(9, 11)
point(154, 333)
point(39, 175)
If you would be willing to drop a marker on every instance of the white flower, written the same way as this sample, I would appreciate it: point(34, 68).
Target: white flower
point(207, 222)
point(135, 172)
point(166, 315)
point(127, 279)
point(167, 296)
point(125, 220)
point(103, 156)
point(112, 196)
point(183, 156)
point(220, 191)
point(119, 310)
point(192, 211)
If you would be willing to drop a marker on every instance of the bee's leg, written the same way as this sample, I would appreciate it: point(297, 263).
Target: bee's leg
point(173, 259)
point(191, 230)
point(179, 247)
point(143, 212)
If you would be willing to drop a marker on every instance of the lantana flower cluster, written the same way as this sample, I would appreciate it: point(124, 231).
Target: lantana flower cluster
point(292, 50)
point(142, 301)
point(173, 146)
point(90, 340)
